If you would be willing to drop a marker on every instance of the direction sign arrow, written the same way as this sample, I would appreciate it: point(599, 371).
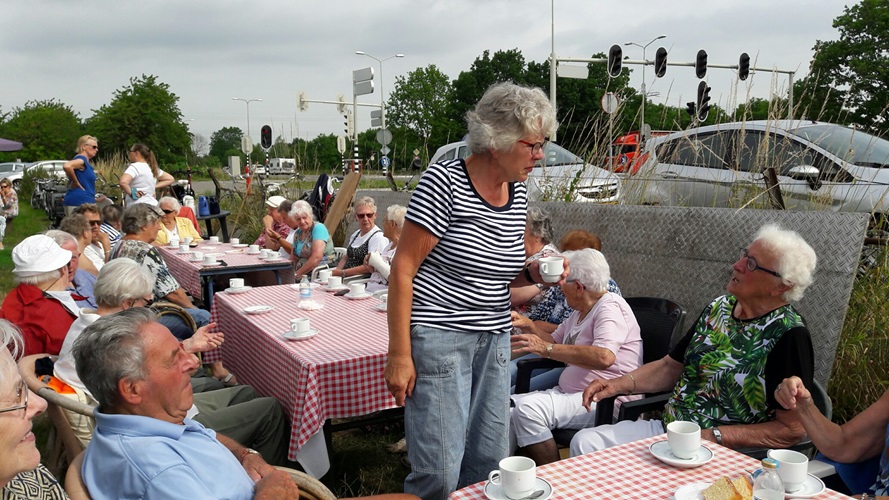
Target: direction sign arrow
point(384, 161)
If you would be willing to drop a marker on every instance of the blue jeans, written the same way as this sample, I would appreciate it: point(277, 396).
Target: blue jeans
point(541, 380)
point(178, 328)
point(457, 419)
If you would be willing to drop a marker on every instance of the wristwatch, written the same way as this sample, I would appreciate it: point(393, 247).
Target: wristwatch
point(717, 434)
point(245, 452)
point(549, 350)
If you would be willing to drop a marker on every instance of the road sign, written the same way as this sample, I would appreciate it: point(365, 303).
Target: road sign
point(384, 137)
point(385, 150)
point(341, 144)
point(376, 118)
point(572, 71)
point(384, 161)
point(360, 75)
point(246, 144)
point(610, 102)
point(363, 88)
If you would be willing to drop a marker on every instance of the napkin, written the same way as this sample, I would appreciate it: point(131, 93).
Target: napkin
point(309, 305)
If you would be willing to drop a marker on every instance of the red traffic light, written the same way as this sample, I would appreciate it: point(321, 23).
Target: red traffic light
point(265, 136)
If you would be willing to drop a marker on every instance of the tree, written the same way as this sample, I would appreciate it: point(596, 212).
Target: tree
point(223, 141)
point(46, 129)
point(486, 70)
point(144, 111)
point(420, 104)
point(199, 145)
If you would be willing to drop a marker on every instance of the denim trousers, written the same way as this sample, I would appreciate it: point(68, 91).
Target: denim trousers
point(457, 418)
point(178, 328)
point(541, 380)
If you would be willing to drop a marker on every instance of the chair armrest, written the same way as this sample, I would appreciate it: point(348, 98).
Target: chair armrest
point(526, 366)
point(66, 402)
point(632, 410)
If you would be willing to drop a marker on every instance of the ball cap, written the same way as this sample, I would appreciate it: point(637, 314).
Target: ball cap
point(38, 254)
point(275, 201)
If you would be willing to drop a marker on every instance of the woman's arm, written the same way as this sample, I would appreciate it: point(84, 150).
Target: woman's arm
point(584, 356)
point(124, 183)
point(521, 295)
point(69, 167)
point(163, 181)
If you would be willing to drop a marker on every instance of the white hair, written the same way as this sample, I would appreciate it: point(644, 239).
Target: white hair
point(796, 260)
point(589, 268)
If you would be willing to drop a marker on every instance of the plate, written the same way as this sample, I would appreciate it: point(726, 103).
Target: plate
point(327, 288)
point(691, 491)
point(218, 262)
point(495, 492)
point(273, 259)
point(359, 296)
point(257, 309)
point(240, 245)
point(811, 488)
point(248, 252)
point(238, 290)
point(234, 251)
point(661, 451)
point(380, 307)
point(291, 335)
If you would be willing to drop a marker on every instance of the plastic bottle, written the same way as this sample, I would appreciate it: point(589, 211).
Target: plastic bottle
point(768, 484)
point(305, 289)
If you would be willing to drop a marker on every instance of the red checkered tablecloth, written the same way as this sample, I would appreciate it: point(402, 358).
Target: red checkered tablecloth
point(338, 373)
point(631, 471)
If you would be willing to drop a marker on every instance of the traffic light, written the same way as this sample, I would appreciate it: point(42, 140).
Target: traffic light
point(340, 103)
point(265, 137)
point(703, 104)
point(701, 64)
point(349, 123)
point(615, 60)
point(660, 62)
point(690, 108)
point(744, 67)
point(301, 102)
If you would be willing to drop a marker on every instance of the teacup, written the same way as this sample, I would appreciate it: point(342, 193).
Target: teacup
point(384, 298)
point(209, 259)
point(334, 281)
point(551, 268)
point(324, 274)
point(174, 242)
point(516, 476)
point(214, 239)
point(684, 439)
point(299, 325)
point(235, 241)
point(236, 283)
point(183, 248)
point(267, 254)
point(197, 255)
point(356, 288)
point(254, 249)
point(187, 240)
point(793, 467)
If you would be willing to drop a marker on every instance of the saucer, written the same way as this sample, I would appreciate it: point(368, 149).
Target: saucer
point(291, 335)
point(240, 245)
point(690, 491)
point(661, 451)
point(218, 262)
point(359, 296)
point(495, 491)
point(257, 309)
point(812, 487)
point(327, 288)
point(273, 259)
point(381, 307)
point(192, 259)
point(241, 289)
point(248, 252)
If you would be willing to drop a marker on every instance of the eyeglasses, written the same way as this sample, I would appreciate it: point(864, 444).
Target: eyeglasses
point(168, 212)
point(364, 216)
point(535, 147)
point(95, 223)
point(4, 186)
point(21, 399)
point(146, 302)
point(752, 265)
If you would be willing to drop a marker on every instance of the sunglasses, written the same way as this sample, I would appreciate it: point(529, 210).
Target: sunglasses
point(4, 186)
point(95, 223)
point(168, 211)
point(364, 216)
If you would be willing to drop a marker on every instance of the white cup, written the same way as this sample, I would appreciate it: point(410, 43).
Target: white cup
point(174, 242)
point(183, 248)
point(793, 467)
point(324, 274)
point(197, 255)
point(334, 281)
point(384, 298)
point(236, 283)
point(516, 476)
point(214, 239)
point(254, 248)
point(684, 439)
point(187, 240)
point(299, 325)
point(267, 254)
point(235, 241)
point(551, 268)
point(356, 289)
point(209, 259)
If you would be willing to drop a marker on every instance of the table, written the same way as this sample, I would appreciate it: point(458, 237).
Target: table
point(336, 374)
point(222, 224)
point(631, 471)
point(197, 278)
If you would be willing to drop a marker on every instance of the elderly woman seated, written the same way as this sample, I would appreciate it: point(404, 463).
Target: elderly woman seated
point(538, 243)
point(174, 227)
point(309, 244)
point(365, 240)
point(393, 223)
point(600, 339)
point(40, 304)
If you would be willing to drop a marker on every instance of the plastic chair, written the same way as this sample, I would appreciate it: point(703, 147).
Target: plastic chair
point(340, 253)
point(188, 213)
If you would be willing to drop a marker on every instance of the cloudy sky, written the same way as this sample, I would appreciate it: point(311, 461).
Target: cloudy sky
point(81, 51)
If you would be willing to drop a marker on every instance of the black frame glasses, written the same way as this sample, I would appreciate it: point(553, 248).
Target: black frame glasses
point(364, 216)
point(752, 265)
point(23, 396)
point(534, 147)
point(168, 212)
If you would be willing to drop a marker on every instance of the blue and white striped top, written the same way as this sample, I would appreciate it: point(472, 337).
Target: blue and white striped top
point(463, 284)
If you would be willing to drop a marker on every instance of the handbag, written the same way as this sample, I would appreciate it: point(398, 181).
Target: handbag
point(213, 205)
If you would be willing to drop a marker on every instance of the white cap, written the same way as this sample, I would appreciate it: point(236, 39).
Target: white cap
point(38, 254)
point(275, 201)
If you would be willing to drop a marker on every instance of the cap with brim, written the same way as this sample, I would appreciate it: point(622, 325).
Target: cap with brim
point(38, 254)
point(275, 201)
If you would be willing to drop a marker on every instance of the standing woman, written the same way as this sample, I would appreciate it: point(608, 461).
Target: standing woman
point(449, 286)
point(9, 206)
point(142, 178)
point(366, 240)
point(81, 175)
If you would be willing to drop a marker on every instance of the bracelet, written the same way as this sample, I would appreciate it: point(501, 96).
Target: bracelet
point(634, 382)
point(528, 275)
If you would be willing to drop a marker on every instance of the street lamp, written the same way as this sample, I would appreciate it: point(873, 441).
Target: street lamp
point(644, 64)
point(382, 98)
point(248, 101)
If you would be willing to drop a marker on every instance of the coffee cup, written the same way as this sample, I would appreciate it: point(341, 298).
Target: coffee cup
point(174, 242)
point(334, 281)
point(214, 239)
point(551, 268)
point(299, 325)
point(516, 476)
point(356, 289)
point(235, 241)
point(324, 274)
point(384, 298)
point(793, 467)
point(183, 248)
point(209, 259)
point(267, 254)
point(187, 240)
point(254, 248)
point(197, 255)
point(236, 283)
point(684, 439)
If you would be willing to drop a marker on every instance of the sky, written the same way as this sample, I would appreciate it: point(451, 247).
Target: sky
point(80, 51)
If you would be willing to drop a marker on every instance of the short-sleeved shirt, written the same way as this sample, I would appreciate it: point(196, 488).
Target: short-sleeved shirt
point(152, 261)
point(733, 366)
point(554, 308)
point(302, 249)
point(75, 197)
point(37, 484)
point(463, 284)
point(611, 325)
point(143, 180)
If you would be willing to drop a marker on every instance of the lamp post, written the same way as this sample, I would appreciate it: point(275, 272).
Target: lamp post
point(247, 132)
point(645, 63)
point(382, 97)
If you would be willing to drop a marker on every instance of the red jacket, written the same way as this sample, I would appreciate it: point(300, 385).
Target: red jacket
point(43, 320)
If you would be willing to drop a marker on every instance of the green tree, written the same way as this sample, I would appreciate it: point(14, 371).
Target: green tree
point(48, 130)
point(486, 70)
point(144, 111)
point(420, 105)
point(223, 141)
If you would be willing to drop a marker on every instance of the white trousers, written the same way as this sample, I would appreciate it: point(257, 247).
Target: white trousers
point(606, 436)
point(536, 414)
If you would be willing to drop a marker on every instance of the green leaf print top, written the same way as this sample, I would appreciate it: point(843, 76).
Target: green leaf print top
point(724, 376)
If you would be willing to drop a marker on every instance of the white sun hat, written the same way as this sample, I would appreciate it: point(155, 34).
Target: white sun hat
point(38, 254)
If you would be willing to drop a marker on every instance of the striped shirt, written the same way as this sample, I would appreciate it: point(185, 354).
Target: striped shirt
point(463, 284)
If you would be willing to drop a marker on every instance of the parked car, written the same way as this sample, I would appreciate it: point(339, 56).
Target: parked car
point(819, 166)
point(13, 171)
point(53, 168)
point(560, 176)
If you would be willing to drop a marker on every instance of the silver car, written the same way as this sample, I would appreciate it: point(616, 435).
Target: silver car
point(819, 166)
point(13, 171)
point(560, 176)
